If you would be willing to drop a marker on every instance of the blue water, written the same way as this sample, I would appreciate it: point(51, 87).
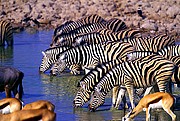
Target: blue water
point(26, 56)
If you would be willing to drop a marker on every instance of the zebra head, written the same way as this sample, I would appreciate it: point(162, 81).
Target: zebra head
point(78, 41)
point(97, 99)
point(46, 63)
point(81, 98)
point(83, 95)
point(59, 66)
point(57, 40)
point(131, 56)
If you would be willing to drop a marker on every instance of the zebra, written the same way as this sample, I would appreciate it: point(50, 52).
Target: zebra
point(138, 92)
point(67, 39)
point(93, 38)
point(144, 72)
point(152, 44)
point(116, 25)
point(87, 83)
point(92, 77)
point(103, 35)
point(170, 51)
point(58, 30)
point(90, 19)
point(176, 75)
point(88, 56)
point(6, 33)
point(50, 57)
point(87, 20)
point(167, 52)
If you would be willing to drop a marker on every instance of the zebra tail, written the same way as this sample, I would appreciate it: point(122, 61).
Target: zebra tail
point(176, 75)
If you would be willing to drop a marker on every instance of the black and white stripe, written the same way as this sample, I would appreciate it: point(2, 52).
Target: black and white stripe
point(6, 33)
point(88, 56)
point(142, 73)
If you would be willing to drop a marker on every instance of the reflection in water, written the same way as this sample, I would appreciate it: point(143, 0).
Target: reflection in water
point(6, 54)
point(64, 85)
point(106, 115)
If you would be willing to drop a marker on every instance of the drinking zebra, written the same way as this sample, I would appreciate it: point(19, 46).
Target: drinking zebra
point(6, 33)
point(103, 35)
point(142, 73)
point(88, 56)
point(152, 44)
point(91, 79)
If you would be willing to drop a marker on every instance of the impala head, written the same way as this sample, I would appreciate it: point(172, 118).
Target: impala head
point(97, 99)
point(46, 62)
point(81, 98)
point(59, 66)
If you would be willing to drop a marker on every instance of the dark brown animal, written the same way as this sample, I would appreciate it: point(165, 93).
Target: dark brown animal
point(10, 80)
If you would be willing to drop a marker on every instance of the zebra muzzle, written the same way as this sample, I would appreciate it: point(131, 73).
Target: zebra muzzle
point(91, 108)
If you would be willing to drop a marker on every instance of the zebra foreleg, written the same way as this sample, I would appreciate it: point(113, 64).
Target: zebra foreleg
point(114, 96)
point(130, 90)
point(121, 96)
point(148, 90)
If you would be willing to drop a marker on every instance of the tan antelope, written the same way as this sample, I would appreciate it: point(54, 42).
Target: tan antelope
point(10, 105)
point(152, 101)
point(40, 104)
point(30, 115)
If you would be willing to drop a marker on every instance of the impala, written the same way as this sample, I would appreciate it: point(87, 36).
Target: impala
point(40, 104)
point(30, 115)
point(152, 101)
point(9, 105)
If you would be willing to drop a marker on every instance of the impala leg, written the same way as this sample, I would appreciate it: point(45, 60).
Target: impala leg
point(173, 116)
point(148, 114)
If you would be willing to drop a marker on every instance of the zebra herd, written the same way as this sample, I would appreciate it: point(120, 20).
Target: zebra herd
point(113, 56)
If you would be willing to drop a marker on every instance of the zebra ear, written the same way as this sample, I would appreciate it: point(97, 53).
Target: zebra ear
point(61, 40)
point(44, 54)
point(79, 40)
point(60, 32)
point(98, 89)
point(63, 56)
point(82, 84)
